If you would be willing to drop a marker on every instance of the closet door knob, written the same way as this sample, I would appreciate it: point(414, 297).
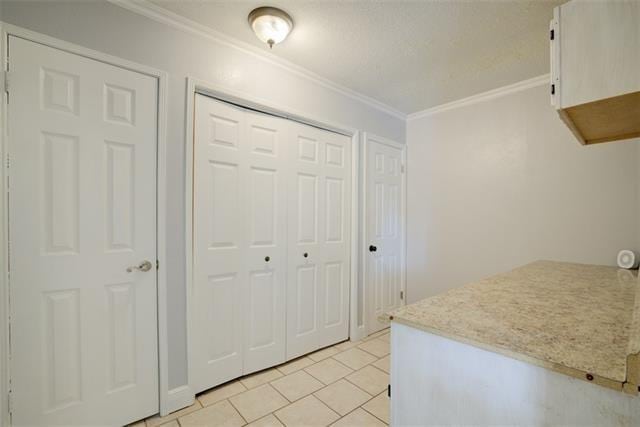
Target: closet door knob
point(372, 248)
point(305, 255)
point(267, 258)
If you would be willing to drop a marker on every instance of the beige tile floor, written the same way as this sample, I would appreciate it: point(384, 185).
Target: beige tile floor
point(343, 385)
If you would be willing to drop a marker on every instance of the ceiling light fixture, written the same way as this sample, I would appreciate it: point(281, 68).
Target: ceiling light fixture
point(270, 24)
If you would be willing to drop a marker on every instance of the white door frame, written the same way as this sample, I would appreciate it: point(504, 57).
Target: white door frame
point(6, 30)
point(367, 138)
point(246, 100)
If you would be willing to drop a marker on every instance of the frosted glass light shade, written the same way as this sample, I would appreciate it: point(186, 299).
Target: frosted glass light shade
point(270, 24)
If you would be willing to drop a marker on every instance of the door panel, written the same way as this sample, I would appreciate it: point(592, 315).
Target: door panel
point(240, 209)
point(306, 304)
point(334, 294)
point(334, 210)
point(384, 275)
point(262, 325)
point(319, 209)
point(82, 210)
point(219, 295)
point(307, 208)
point(335, 237)
point(219, 272)
point(62, 346)
point(264, 342)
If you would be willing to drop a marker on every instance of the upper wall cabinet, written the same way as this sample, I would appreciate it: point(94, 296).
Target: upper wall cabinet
point(595, 68)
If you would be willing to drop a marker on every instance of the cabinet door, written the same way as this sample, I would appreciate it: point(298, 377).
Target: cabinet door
point(265, 226)
point(319, 206)
point(599, 49)
point(219, 248)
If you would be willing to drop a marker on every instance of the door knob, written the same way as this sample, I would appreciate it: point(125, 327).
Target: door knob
point(305, 254)
point(267, 259)
point(144, 266)
point(372, 248)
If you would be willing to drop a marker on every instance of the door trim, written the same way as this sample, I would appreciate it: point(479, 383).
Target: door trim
point(166, 399)
point(367, 138)
point(246, 100)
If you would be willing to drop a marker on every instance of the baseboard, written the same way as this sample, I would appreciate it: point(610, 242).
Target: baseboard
point(358, 333)
point(177, 398)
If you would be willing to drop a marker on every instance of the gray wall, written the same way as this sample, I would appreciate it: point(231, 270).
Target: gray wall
point(503, 182)
point(108, 28)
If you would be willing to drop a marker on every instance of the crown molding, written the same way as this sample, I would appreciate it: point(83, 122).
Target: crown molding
point(159, 14)
point(484, 96)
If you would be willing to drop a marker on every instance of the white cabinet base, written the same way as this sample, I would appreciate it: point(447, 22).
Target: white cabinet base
point(437, 381)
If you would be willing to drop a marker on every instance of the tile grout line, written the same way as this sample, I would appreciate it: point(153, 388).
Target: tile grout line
point(359, 406)
point(283, 396)
point(237, 410)
point(337, 361)
point(278, 418)
point(363, 408)
point(345, 378)
point(378, 357)
point(371, 413)
point(352, 383)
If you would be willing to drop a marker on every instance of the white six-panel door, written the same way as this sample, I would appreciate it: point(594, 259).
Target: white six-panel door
point(266, 192)
point(82, 209)
point(218, 243)
point(384, 222)
point(265, 201)
point(239, 240)
point(319, 218)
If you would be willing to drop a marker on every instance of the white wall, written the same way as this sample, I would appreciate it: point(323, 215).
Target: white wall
point(500, 183)
point(111, 29)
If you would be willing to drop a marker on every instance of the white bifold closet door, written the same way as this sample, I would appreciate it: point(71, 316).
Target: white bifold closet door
point(266, 192)
point(319, 219)
point(239, 242)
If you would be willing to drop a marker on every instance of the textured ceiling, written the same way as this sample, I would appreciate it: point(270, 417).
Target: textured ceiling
point(410, 55)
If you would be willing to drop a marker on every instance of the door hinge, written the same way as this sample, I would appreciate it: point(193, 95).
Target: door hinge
point(402, 168)
point(389, 391)
point(553, 89)
point(401, 294)
point(157, 264)
point(552, 35)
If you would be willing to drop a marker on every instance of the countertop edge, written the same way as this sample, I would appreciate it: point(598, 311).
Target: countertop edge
point(633, 361)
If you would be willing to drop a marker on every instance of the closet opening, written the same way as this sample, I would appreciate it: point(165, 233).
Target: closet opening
point(272, 220)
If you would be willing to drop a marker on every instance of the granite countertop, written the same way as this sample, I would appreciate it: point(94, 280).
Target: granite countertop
point(580, 320)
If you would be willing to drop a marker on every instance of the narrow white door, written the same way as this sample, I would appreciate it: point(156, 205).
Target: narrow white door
point(82, 208)
point(319, 224)
point(385, 230)
point(266, 241)
point(239, 224)
point(218, 244)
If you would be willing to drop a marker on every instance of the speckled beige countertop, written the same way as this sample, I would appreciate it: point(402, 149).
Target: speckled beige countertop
point(581, 320)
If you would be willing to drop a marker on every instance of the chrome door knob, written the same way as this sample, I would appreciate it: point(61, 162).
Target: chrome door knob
point(144, 266)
